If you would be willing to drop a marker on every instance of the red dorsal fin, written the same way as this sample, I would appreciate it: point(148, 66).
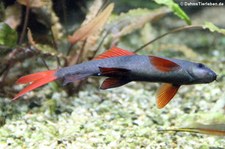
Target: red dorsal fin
point(163, 65)
point(165, 93)
point(113, 82)
point(114, 52)
point(113, 71)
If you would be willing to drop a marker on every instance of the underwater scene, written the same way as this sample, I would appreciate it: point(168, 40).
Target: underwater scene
point(112, 74)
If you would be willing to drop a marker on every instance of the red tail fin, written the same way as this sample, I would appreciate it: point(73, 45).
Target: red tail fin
point(36, 80)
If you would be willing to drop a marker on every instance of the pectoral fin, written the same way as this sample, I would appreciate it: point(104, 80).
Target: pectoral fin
point(165, 93)
point(163, 65)
point(113, 82)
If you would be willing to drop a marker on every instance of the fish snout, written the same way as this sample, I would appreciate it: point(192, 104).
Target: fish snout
point(212, 75)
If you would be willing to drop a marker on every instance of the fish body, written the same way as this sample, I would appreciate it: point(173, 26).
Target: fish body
point(122, 67)
point(130, 68)
point(137, 68)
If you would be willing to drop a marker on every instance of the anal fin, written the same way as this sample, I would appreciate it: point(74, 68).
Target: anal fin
point(113, 82)
point(165, 93)
point(113, 71)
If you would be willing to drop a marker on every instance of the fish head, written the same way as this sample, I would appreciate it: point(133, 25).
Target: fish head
point(201, 73)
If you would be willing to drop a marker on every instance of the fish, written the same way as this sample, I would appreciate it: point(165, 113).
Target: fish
point(209, 129)
point(121, 67)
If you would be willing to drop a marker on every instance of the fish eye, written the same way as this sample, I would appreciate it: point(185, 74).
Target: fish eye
point(200, 65)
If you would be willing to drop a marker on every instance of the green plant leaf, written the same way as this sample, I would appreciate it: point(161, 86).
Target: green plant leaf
point(210, 26)
point(8, 36)
point(176, 9)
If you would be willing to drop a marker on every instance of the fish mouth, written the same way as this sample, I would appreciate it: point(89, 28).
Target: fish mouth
point(214, 75)
point(210, 77)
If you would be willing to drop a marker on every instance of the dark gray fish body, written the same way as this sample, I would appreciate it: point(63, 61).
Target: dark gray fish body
point(139, 68)
point(122, 67)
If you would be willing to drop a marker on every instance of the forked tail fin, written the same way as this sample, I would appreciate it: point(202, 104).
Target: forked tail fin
point(36, 80)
